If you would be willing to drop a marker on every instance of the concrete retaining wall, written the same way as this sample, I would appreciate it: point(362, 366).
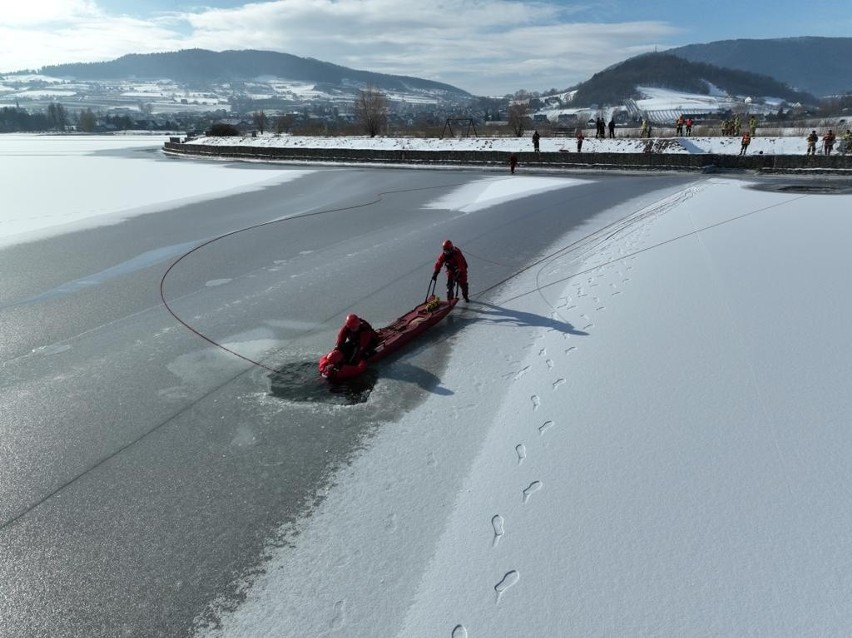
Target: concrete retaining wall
point(633, 161)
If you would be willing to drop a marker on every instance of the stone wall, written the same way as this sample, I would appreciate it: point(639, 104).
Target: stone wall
point(841, 164)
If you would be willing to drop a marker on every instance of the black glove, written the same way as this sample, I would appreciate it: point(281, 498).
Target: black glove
point(434, 276)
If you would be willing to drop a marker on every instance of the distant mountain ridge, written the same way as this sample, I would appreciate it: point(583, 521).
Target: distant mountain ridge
point(810, 66)
point(820, 66)
point(620, 82)
point(202, 66)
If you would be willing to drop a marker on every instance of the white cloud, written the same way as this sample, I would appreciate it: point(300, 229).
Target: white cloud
point(72, 41)
point(47, 12)
point(483, 46)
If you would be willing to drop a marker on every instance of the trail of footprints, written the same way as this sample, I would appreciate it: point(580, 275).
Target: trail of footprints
point(498, 523)
point(583, 296)
point(588, 294)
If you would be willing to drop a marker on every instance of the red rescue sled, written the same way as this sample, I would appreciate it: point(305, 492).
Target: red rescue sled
point(393, 337)
point(410, 325)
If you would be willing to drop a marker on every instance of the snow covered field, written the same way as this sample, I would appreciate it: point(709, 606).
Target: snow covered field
point(645, 434)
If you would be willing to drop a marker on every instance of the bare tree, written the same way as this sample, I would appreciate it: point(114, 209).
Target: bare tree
point(260, 120)
point(371, 110)
point(283, 123)
point(518, 116)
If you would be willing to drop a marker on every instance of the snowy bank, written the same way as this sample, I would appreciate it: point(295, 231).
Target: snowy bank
point(792, 145)
point(778, 154)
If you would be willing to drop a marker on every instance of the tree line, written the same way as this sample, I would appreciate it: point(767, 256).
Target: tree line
point(57, 118)
point(370, 111)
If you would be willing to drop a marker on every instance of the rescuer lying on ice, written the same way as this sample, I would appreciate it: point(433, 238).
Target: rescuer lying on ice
point(355, 343)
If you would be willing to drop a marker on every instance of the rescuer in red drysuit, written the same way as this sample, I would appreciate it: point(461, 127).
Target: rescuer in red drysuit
point(454, 260)
point(356, 339)
point(333, 368)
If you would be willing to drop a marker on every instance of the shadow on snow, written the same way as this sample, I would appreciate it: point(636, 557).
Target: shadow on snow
point(507, 316)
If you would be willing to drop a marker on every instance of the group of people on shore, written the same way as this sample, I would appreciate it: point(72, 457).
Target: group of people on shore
point(733, 126)
point(684, 125)
point(828, 141)
point(357, 339)
point(602, 127)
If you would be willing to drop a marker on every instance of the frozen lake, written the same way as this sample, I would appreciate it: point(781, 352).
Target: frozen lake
point(151, 306)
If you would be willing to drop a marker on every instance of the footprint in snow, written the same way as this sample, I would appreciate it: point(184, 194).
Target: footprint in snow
point(534, 487)
point(497, 524)
point(511, 578)
point(339, 618)
point(521, 373)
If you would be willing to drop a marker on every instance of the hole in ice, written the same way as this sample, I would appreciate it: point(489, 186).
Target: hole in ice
point(301, 382)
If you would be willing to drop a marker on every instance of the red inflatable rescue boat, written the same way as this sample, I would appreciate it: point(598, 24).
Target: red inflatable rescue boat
point(391, 338)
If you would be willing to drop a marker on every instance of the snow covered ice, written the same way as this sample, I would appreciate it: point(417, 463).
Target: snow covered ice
point(97, 189)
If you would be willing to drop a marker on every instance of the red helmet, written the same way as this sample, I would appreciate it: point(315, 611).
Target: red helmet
point(447, 245)
point(352, 321)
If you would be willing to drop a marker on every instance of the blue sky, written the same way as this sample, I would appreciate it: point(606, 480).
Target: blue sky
point(487, 47)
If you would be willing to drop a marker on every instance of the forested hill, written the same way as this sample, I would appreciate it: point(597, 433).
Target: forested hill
point(820, 66)
point(664, 70)
point(203, 67)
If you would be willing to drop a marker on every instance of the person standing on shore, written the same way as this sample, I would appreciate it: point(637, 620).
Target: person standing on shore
point(745, 142)
point(828, 142)
point(812, 142)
